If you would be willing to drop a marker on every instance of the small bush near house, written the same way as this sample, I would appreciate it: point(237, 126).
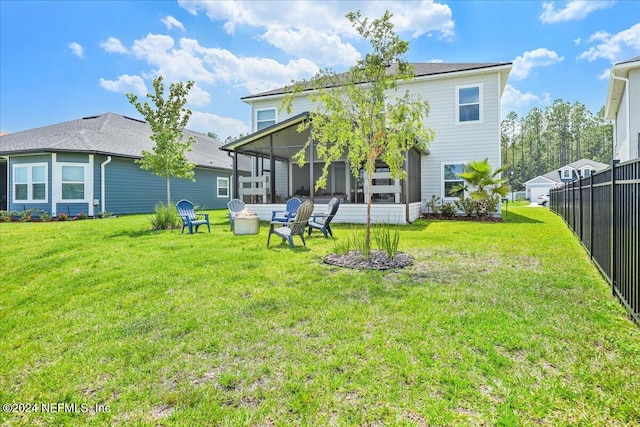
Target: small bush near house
point(448, 210)
point(165, 217)
point(466, 205)
point(433, 205)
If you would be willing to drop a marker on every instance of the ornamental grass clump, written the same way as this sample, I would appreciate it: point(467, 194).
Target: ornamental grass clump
point(165, 217)
point(387, 241)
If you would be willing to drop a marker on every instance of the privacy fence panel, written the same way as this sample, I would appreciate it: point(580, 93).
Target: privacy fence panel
point(604, 212)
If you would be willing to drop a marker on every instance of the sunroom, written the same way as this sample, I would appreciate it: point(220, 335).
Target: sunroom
point(276, 177)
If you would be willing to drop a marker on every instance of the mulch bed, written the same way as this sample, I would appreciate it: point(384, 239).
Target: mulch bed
point(378, 260)
point(462, 218)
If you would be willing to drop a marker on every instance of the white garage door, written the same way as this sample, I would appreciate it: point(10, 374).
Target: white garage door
point(536, 191)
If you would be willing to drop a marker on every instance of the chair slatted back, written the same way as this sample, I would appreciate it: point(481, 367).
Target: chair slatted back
point(302, 218)
point(185, 209)
point(235, 206)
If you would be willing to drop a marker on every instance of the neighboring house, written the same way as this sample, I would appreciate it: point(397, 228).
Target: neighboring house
point(541, 184)
point(465, 113)
point(623, 107)
point(88, 165)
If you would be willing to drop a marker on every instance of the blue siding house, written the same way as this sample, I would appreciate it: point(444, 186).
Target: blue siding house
point(88, 166)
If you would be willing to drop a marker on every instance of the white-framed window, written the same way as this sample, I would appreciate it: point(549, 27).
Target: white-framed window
point(450, 178)
point(223, 187)
point(72, 182)
point(265, 118)
point(587, 172)
point(469, 104)
point(30, 183)
point(566, 174)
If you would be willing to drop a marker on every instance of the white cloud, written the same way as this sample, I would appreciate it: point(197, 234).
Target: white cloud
point(125, 84)
point(318, 30)
point(198, 96)
point(77, 49)
point(328, 48)
point(542, 57)
point(188, 60)
point(113, 45)
point(171, 22)
point(573, 10)
point(616, 47)
point(222, 126)
point(605, 74)
point(512, 97)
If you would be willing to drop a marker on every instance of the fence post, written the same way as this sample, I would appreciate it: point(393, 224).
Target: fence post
point(613, 223)
point(591, 213)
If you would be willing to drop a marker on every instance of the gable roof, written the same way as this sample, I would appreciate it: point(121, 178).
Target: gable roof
point(421, 70)
point(108, 134)
point(554, 175)
point(616, 86)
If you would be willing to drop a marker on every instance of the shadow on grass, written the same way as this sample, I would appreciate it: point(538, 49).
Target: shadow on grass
point(514, 218)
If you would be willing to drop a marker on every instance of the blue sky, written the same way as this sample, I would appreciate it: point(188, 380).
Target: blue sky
point(63, 60)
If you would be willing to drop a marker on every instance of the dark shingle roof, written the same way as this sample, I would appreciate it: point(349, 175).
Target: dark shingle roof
point(554, 175)
point(109, 134)
point(420, 69)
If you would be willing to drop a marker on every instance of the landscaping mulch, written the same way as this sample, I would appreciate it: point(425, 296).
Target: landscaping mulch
point(378, 260)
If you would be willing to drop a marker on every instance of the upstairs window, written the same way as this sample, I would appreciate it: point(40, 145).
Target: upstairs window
point(30, 182)
point(586, 172)
point(567, 174)
point(469, 104)
point(265, 118)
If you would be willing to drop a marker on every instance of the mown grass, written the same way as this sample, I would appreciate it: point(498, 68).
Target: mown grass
point(495, 324)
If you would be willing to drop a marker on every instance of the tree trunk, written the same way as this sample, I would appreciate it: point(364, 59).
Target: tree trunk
point(367, 233)
point(168, 191)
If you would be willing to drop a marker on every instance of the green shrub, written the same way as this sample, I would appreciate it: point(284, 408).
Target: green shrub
point(466, 205)
point(447, 210)
point(165, 217)
point(434, 204)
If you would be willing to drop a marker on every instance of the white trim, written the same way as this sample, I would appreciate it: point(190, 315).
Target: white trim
point(218, 187)
point(480, 104)
point(539, 176)
point(564, 170)
point(29, 167)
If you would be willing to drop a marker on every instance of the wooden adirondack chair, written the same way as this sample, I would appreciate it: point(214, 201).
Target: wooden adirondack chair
point(295, 227)
point(190, 218)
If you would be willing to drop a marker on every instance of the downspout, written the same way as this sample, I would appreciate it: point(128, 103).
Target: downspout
point(103, 184)
point(626, 93)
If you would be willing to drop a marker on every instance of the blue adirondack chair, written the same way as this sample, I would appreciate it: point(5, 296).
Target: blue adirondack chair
point(289, 211)
point(295, 227)
point(191, 219)
point(235, 207)
point(322, 221)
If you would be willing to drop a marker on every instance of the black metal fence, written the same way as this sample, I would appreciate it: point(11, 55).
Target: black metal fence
point(604, 212)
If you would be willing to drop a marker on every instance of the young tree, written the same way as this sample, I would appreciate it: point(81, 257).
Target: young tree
point(358, 115)
point(167, 121)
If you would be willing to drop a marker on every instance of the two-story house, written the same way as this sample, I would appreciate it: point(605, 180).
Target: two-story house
point(465, 114)
point(623, 107)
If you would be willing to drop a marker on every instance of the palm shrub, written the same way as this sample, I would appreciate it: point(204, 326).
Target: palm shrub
point(483, 184)
point(165, 217)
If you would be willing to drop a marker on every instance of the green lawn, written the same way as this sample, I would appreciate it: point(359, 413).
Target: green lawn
point(495, 324)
